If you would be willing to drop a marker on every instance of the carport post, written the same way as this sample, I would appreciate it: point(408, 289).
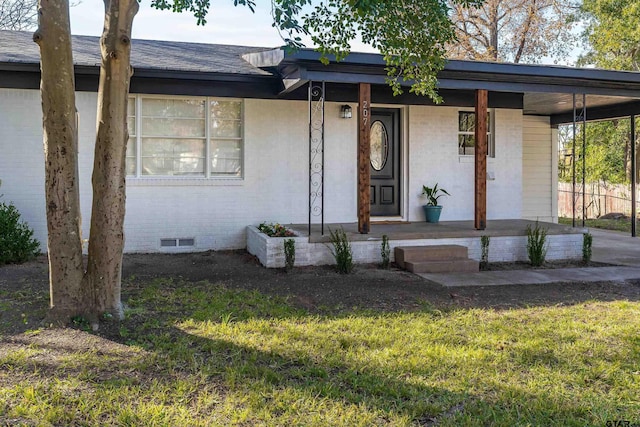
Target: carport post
point(584, 158)
point(573, 167)
point(634, 167)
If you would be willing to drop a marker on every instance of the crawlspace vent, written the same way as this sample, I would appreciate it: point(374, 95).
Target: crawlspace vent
point(168, 243)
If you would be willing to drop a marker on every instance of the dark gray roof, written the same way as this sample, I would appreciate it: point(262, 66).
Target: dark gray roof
point(18, 47)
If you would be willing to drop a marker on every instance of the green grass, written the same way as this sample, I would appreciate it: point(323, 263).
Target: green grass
point(607, 224)
point(204, 355)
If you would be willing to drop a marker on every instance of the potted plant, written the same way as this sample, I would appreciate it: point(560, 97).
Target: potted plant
point(432, 210)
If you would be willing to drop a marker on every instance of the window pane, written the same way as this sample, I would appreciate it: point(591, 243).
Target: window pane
point(466, 129)
point(466, 121)
point(131, 116)
point(226, 128)
point(173, 127)
point(173, 157)
point(466, 144)
point(226, 109)
point(152, 107)
point(226, 157)
point(131, 156)
point(379, 145)
point(131, 125)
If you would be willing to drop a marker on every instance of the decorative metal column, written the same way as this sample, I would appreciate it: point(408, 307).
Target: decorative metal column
point(634, 172)
point(579, 115)
point(316, 153)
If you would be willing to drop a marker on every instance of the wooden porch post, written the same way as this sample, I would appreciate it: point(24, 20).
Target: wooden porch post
point(480, 220)
point(364, 156)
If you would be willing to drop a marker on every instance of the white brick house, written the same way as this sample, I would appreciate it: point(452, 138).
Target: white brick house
point(220, 138)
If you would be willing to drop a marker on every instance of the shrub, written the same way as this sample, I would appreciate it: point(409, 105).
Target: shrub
point(484, 255)
point(385, 252)
point(587, 241)
point(17, 244)
point(289, 253)
point(536, 244)
point(341, 251)
point(275, 230)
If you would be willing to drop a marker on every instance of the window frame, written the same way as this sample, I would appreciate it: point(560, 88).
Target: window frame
point(208, 139)
point(491, 145)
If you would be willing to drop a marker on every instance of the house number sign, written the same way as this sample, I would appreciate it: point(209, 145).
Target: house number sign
point(365, 113)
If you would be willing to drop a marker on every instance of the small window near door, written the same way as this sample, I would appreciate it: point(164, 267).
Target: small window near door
point(379, 145)
point(466, 134)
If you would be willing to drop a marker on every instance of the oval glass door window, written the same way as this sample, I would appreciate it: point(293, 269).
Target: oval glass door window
point(379, 145)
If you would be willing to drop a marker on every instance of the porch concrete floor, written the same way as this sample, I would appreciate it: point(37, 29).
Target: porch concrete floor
point(424, 230)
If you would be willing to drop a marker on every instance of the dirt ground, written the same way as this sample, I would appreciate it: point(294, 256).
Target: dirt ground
point(24, 288)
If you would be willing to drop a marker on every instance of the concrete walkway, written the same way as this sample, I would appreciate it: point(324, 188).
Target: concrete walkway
point(608, 247)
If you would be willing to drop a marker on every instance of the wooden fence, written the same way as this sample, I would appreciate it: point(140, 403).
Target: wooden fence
point(601, 199)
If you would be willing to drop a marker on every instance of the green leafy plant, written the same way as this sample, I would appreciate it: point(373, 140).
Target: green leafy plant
point(433, 194)
point(536, 244)
point(275, 230)
point(17, 244)
point(484, 252)
point(385, 252)
point(289, 253)
point(341, 251)
point(587, 241)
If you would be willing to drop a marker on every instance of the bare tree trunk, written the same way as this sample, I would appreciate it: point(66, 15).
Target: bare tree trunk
point(627, 157)
point(106, 240)
point(57, 88)
point(524, 36)
point(493, 32)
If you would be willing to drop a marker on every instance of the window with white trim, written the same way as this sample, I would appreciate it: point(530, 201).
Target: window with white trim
point(467, 137)
point(184, 137)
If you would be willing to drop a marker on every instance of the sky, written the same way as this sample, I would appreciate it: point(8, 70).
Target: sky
point(227, 24)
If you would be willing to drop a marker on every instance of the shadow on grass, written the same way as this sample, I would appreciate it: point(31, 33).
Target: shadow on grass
point(252, 358)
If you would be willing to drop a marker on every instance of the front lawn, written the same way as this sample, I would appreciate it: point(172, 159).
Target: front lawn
point(203, 354)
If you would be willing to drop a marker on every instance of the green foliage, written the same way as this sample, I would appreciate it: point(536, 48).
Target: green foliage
point(484, 252)
point(607, 152)
point(587, 241)
point(612, 32)
point(275, 230)
point(81, 322)
point(289, 253)
point(411, 37)
point(433, 194)
point(613, 38)
point(536, 244)
point(17, 244)
point(341, 251)
point(385, 252)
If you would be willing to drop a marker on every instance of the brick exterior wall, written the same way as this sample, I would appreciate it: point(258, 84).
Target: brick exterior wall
point(216, 213)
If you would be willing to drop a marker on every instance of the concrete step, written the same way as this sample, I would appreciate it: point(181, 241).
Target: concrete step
point(451, 266)
point(404, 254)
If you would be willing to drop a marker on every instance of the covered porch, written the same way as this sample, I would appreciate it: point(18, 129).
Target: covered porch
point(506, 179)
point(545, 96)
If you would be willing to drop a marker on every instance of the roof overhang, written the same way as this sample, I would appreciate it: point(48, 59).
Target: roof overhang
point(546, 90)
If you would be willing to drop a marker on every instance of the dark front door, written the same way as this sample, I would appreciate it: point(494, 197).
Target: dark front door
point(385, 162)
